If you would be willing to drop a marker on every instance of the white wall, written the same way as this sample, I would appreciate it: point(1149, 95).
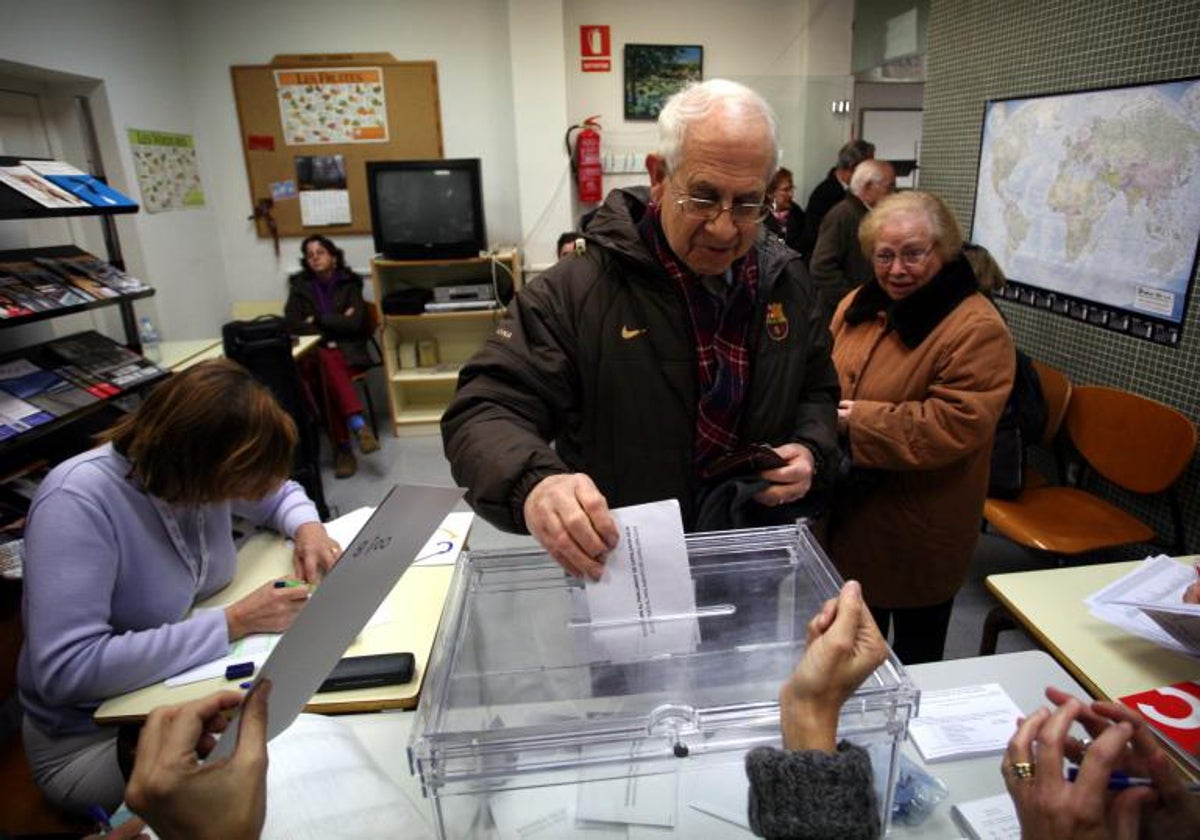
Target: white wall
point(134, 47)
point(509, 84)
point(467, 38)
point(790, 51)
point(540, 106)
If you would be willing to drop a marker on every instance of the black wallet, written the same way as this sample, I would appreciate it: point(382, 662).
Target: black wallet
point(370, 671)
point(749, 460)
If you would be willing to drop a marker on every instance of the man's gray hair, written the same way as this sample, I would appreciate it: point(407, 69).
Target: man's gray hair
point(867, 173)
point(701, 99)
point(854, 153)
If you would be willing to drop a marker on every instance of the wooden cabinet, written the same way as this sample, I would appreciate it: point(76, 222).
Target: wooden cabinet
point(423, 353)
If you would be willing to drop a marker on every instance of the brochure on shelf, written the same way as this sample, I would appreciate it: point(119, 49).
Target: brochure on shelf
point(83, 186)
point(27, 182)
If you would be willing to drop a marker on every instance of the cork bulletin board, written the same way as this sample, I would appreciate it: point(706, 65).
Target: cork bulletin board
point(311, 122)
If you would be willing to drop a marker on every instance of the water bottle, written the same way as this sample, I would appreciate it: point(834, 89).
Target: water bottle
point(150, 343)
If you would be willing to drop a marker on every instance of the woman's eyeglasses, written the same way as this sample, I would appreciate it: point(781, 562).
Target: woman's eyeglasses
point(909, 257)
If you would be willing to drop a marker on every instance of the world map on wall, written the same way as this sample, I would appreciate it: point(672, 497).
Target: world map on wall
point(1095, 195)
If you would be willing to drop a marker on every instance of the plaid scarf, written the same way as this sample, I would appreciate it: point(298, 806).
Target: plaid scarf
point(720, 325)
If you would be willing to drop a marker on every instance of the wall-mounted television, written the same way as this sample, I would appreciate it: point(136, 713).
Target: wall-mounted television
point(427, 209)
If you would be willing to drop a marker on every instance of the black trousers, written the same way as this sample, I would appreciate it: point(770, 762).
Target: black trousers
point(918, 633)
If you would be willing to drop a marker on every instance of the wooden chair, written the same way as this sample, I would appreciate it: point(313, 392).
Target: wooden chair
point(374, 321)
point(1136, 444)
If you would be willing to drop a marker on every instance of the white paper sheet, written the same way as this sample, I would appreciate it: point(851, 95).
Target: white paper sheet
point(1158, 584)
point(441, 549)
point(546, 813)
point(970, 720)
point(324, 207)
point(349, 594)
point(321, 783)
point(254, 648)
point(645, 604)
point(633, 799)
point(990, 818)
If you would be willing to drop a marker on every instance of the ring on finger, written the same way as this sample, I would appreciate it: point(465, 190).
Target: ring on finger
point(1022, 770)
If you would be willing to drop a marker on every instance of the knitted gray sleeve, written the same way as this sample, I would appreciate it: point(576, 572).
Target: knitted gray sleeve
point(809, 794)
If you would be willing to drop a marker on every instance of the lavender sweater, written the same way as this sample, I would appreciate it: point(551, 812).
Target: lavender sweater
point(107, 592)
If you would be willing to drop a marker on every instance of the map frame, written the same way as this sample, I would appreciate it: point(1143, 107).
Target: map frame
point(1100, 307)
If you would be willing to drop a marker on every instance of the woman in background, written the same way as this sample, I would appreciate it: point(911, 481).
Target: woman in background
point(124, 539)
point(925, 363)
point(326, 298)
point(786, 219)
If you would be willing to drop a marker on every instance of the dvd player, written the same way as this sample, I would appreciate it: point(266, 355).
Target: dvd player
point(470, 291)
point(460, 305)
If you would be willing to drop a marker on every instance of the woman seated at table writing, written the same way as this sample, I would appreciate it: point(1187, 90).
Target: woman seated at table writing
point(122, 540)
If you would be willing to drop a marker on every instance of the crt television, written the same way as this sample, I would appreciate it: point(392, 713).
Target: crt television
point(427, 209)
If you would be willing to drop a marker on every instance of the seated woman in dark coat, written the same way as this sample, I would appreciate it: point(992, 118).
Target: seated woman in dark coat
point(326, 298)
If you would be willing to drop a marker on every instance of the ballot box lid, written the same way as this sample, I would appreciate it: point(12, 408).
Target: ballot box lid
point(524, 690)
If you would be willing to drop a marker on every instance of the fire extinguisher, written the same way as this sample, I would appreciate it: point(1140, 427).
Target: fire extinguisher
point(585, 160)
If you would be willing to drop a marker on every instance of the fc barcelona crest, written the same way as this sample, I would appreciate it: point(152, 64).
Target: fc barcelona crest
point(777, 322)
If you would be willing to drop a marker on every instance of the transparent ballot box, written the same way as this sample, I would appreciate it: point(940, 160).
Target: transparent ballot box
point(535, 722)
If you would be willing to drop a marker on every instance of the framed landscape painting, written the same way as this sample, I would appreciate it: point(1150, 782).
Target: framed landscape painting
point(655, 71)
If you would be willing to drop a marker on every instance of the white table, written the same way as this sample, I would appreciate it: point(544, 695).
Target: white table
point(1024, 675)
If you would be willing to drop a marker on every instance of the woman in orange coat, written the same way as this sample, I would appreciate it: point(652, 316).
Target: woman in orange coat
point(925, 363)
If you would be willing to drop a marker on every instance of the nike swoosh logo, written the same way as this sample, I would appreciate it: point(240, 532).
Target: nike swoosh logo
point(627, 333)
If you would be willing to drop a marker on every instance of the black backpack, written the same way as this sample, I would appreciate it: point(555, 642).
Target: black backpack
point(1021, 422)
point(264, 347)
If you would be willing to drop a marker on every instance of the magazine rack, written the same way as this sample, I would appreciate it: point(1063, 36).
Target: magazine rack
point(14, 205)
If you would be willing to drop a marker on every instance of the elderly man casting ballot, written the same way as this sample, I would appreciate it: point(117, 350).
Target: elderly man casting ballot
point(681, 334)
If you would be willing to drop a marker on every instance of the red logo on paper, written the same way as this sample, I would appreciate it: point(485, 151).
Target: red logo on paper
point(594, 42)
point(1174, 710)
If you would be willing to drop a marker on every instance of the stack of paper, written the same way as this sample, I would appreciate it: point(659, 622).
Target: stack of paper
point(1148, 602)
point(963, 722)
point(991, 818)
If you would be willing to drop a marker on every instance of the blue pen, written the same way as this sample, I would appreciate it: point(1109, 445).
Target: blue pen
point(100, 816)
point(1123, 781)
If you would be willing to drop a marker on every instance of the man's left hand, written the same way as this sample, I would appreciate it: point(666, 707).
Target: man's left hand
point(316, 552)
point(790, 482)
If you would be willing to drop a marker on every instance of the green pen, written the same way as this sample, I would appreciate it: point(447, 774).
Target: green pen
point(289, 583)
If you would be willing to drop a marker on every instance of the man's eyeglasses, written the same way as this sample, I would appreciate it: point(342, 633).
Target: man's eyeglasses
point(909, 257)
point(710, 210)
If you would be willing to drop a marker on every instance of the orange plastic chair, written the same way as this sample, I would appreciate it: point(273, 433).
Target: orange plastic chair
point(1135, 443)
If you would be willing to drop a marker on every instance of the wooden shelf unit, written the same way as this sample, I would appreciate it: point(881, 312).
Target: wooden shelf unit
point(417, 396)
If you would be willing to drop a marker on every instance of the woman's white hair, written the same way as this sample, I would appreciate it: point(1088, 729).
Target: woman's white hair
point(701, 99)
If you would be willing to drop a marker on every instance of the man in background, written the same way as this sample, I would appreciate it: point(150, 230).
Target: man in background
point(838, 263)
point(566, 243)
point(833, 189)
point(680, 335)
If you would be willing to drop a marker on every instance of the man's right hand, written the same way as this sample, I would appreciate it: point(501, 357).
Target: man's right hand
point(182, 796)
point(571, 520)
point(844, 648)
